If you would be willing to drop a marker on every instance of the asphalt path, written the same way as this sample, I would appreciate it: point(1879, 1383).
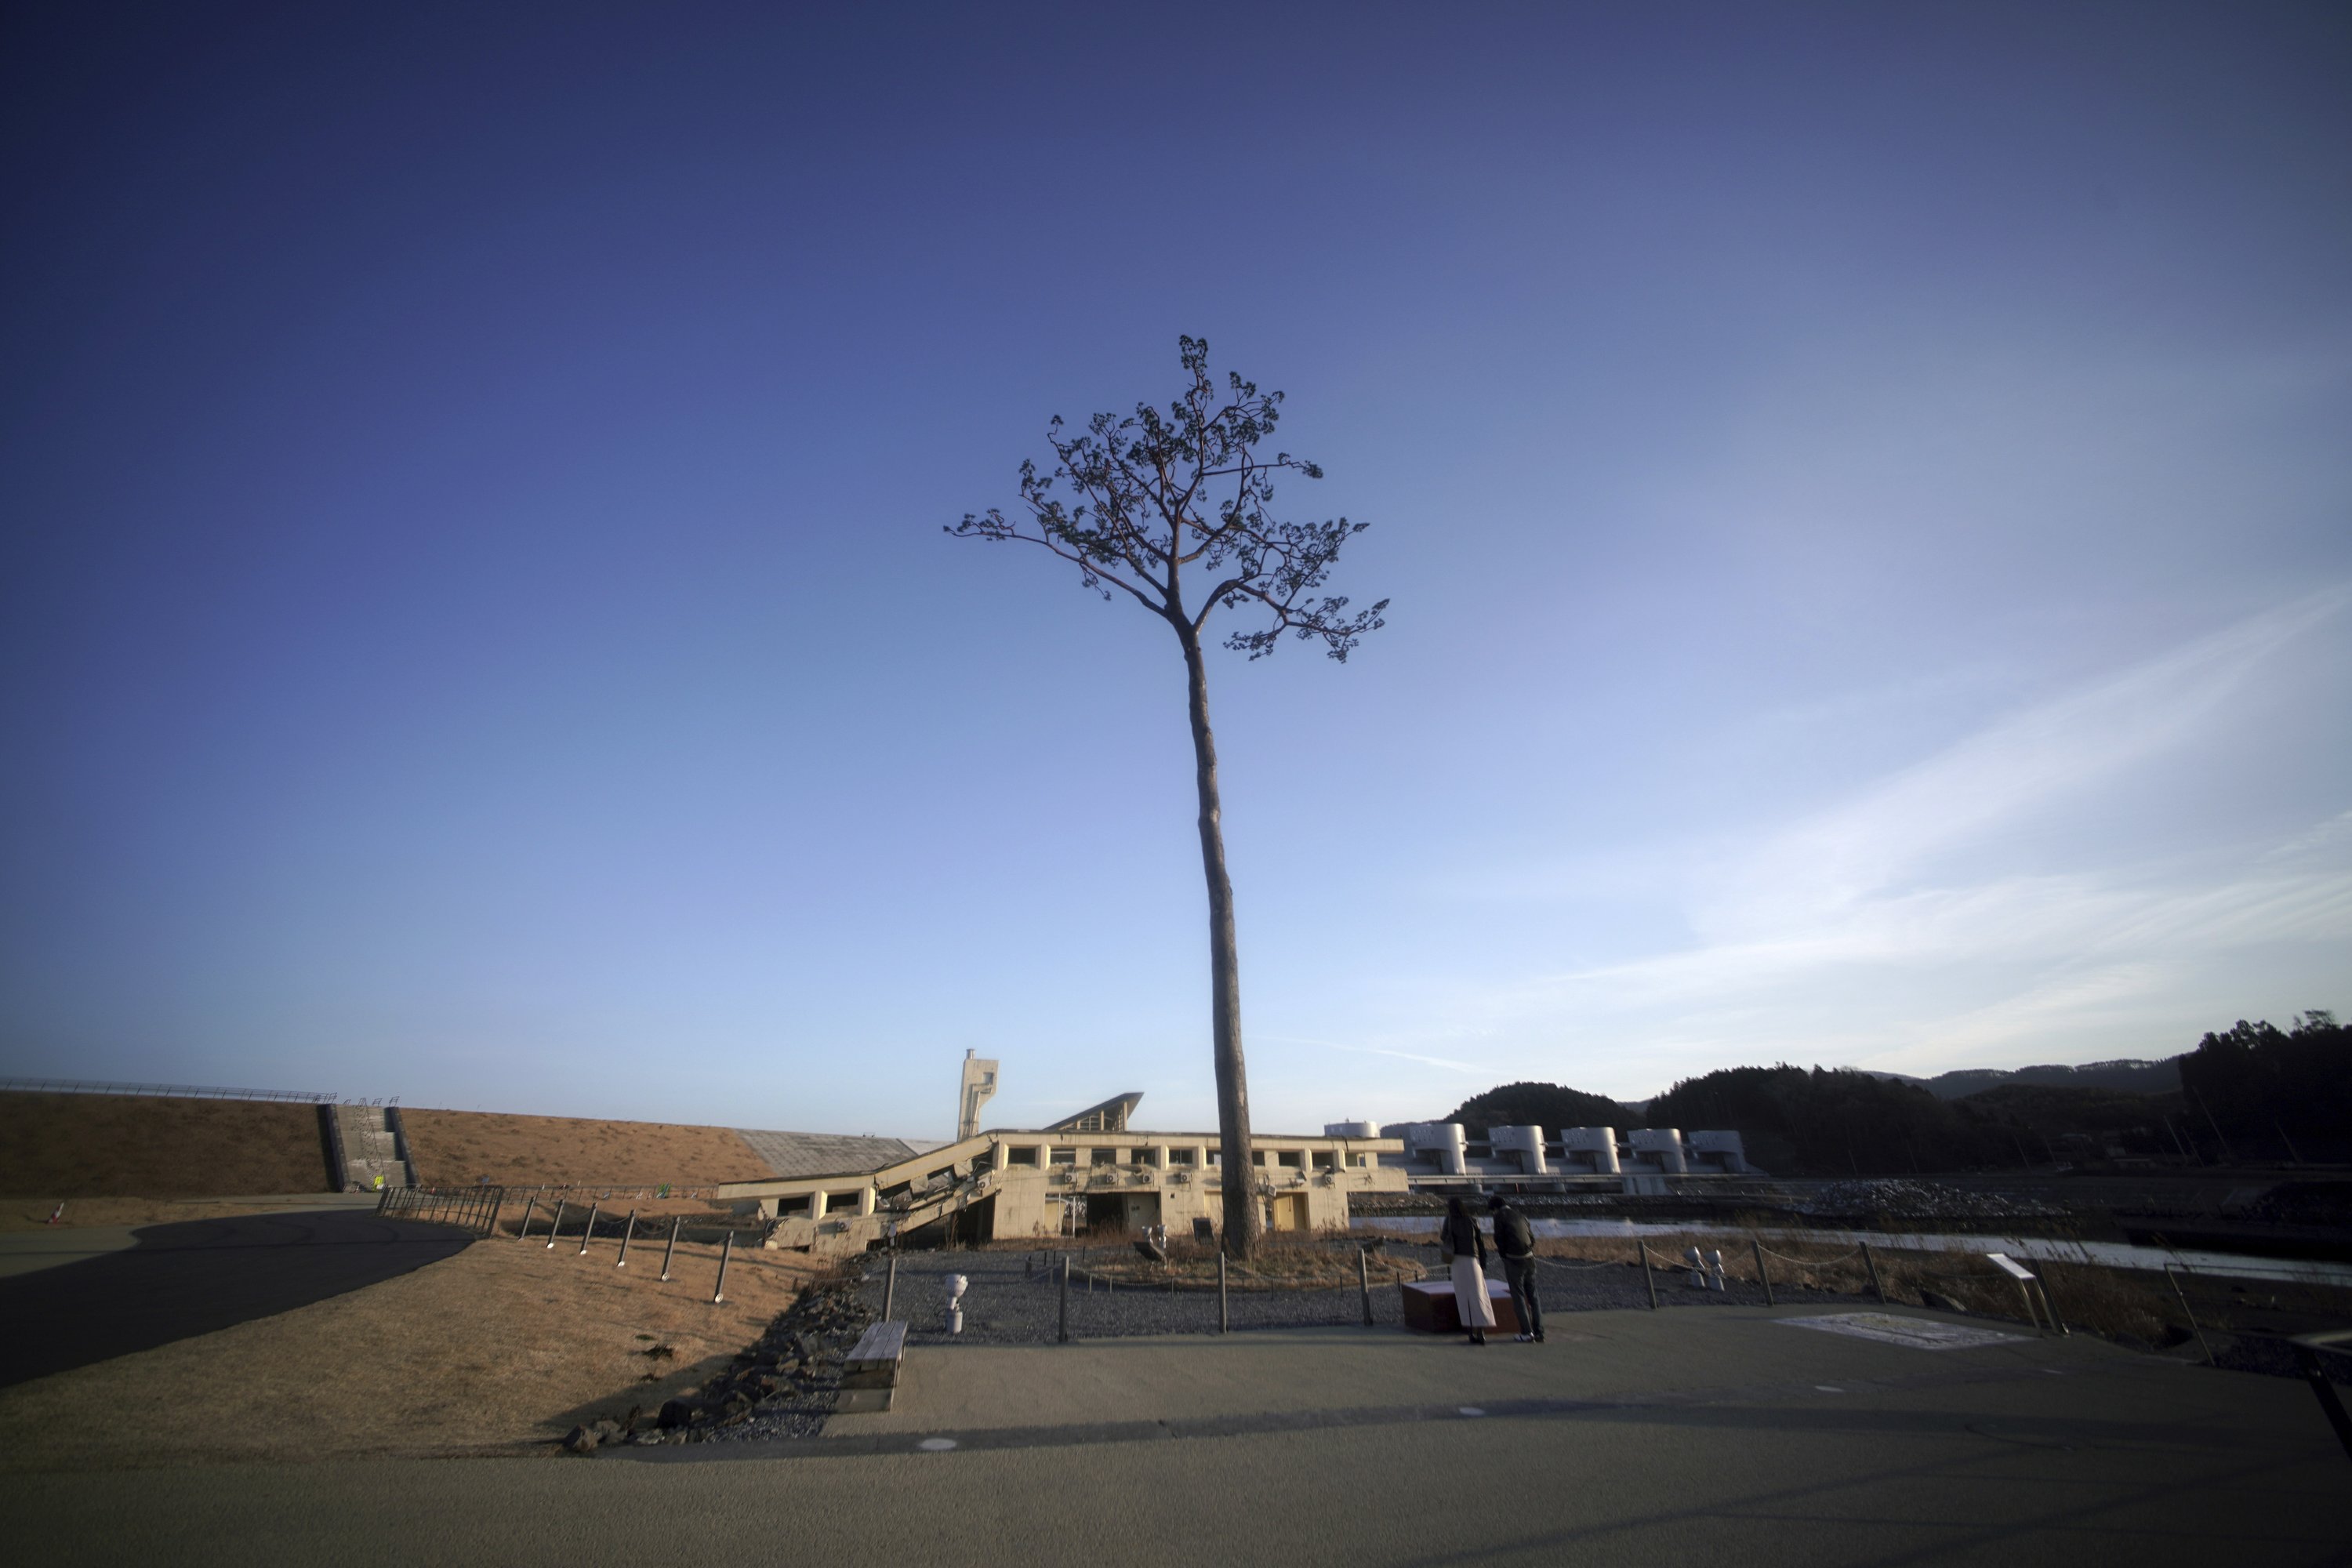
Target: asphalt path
point(197, 1275)
point(1730, 1436)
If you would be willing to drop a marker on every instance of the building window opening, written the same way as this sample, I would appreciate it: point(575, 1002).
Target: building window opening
point(1062, 1154)
point(1183, 1156)
point(1325, 1160)
point(1102, 1156)
point(1021, 1154)
point(1288, 1158)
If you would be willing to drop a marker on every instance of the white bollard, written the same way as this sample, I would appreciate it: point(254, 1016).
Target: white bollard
point(957, 1285)
point(1715, 1268)
point(1697, 1277)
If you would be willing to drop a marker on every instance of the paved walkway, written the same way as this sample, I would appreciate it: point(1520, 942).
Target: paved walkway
point(1724, 1437)
point(192, 1278)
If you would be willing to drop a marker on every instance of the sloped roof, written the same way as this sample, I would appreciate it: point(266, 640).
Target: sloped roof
point(1110, 1116)
point(828, 1153)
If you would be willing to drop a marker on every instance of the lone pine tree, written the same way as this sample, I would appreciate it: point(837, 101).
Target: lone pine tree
point(1170, 508)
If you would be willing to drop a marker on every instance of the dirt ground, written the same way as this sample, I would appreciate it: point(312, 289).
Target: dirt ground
point(112, 1145)
point(458, 1148)
point(499, 1350)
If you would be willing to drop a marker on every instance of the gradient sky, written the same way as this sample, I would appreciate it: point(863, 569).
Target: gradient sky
point(1866, 494)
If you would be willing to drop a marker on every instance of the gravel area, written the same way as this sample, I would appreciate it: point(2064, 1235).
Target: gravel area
point(1013, 1298)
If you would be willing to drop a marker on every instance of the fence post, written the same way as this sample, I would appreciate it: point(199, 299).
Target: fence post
point(669, 1251)
point(1064, 1331)
point(2182, 1297)
point(529, 1209)
point(498, 1202)
point(1760, 1272)
point(1871, 1263)
point(1648, 1278)
point(1364, 1282)
point(627, 1231)
point(589, 1228)
point(726, 1251)
point(1224, 1312)
point(2314, 1371)
point(890, 1287)
point(555, 1224)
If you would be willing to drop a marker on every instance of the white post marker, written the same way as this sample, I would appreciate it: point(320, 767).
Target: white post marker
point(2026, 1284)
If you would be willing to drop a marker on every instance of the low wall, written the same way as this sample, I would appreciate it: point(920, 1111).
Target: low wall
point(124, 1145)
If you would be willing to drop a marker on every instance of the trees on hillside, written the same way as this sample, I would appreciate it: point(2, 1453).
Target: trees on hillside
point(1172, 508)
point(1546, 1105)
point(2287, 1092)
point(1828, 1123)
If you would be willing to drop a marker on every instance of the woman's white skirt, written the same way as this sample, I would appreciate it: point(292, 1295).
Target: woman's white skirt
point(1470, 1294)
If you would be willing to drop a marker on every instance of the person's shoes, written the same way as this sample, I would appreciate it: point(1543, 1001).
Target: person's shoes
point(1477, 1338)
point(1538, 1336)
point(1526, 1339)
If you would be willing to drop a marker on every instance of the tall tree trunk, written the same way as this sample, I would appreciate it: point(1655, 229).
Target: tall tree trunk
point(1239, 1176)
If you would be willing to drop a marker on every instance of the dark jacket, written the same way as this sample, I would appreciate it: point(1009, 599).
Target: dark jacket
point(1460, 1237)
point(1514, 1236)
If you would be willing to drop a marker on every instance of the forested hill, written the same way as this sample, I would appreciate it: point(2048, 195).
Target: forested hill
point(2251, 1094)
point(2131, 1075)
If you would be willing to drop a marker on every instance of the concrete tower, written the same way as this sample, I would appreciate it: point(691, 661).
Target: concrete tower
point(979, 1085)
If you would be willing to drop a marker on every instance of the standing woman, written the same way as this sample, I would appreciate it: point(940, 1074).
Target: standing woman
point(1466, 1249)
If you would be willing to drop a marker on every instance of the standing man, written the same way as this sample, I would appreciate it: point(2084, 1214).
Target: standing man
point(1515, 1238)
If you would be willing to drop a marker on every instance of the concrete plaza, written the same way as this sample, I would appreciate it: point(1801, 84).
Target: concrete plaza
point(1727, 1435)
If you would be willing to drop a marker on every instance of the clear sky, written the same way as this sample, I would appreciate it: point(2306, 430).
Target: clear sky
point(1866, 494)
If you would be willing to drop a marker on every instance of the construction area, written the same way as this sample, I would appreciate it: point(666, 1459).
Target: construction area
point(792, 1329)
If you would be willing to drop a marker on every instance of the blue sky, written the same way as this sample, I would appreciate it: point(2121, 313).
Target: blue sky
point(1863, 490)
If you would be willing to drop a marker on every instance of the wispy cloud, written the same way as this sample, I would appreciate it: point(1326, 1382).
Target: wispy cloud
point(1895, 930)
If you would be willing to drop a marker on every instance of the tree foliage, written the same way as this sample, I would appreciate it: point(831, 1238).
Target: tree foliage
point(2258, 1081)
point(1827, 1121)
point(1546, 1105)
point(1145, 504)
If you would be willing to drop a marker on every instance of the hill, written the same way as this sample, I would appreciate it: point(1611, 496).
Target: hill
point(2130, 1075)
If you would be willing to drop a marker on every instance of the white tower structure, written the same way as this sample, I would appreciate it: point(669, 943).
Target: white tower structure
point(978, 1086)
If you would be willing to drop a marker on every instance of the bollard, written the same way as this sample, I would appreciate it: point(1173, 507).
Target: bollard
point(2042, 1285)
point(1648, 1278)
point(671, 1251)
point(1364, 1282)
point(1762, 1274)
point(627, 1231)
point(2314, 1372)
point(1871, 1263)
point(589, 1230)
point(555, 1224)
point(1064, 1331)
point(2182, 1297)
point(1224, 1312)
point(890, 1287)
point(1715, 1268)
point(529, 1207)
point(726, 1250)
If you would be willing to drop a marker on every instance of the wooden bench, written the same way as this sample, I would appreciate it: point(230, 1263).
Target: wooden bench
point(870, 1374)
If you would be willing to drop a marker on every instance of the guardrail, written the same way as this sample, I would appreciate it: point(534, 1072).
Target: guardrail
point(167, 1090)
point(473, 1209)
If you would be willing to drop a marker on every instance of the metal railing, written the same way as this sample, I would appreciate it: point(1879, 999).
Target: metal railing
point(473, 1209)
point(166, 1091)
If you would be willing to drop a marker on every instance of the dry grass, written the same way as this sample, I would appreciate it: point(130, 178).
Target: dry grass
point(1280, 1263)
point(120, 1145)
point(458, 1148)
point(498, 1350)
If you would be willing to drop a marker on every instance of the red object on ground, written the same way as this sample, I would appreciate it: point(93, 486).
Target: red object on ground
point(1429, 1307)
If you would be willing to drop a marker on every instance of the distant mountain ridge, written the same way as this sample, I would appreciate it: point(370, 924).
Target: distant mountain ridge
point(2131, 1074)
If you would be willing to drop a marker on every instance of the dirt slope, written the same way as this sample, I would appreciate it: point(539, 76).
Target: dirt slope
point(457, 1148)
point(125, 1145)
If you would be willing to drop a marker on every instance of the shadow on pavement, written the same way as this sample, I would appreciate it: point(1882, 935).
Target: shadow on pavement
point(192, 1277)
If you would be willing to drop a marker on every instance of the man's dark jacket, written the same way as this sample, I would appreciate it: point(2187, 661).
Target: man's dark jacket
point(1514, 1238)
